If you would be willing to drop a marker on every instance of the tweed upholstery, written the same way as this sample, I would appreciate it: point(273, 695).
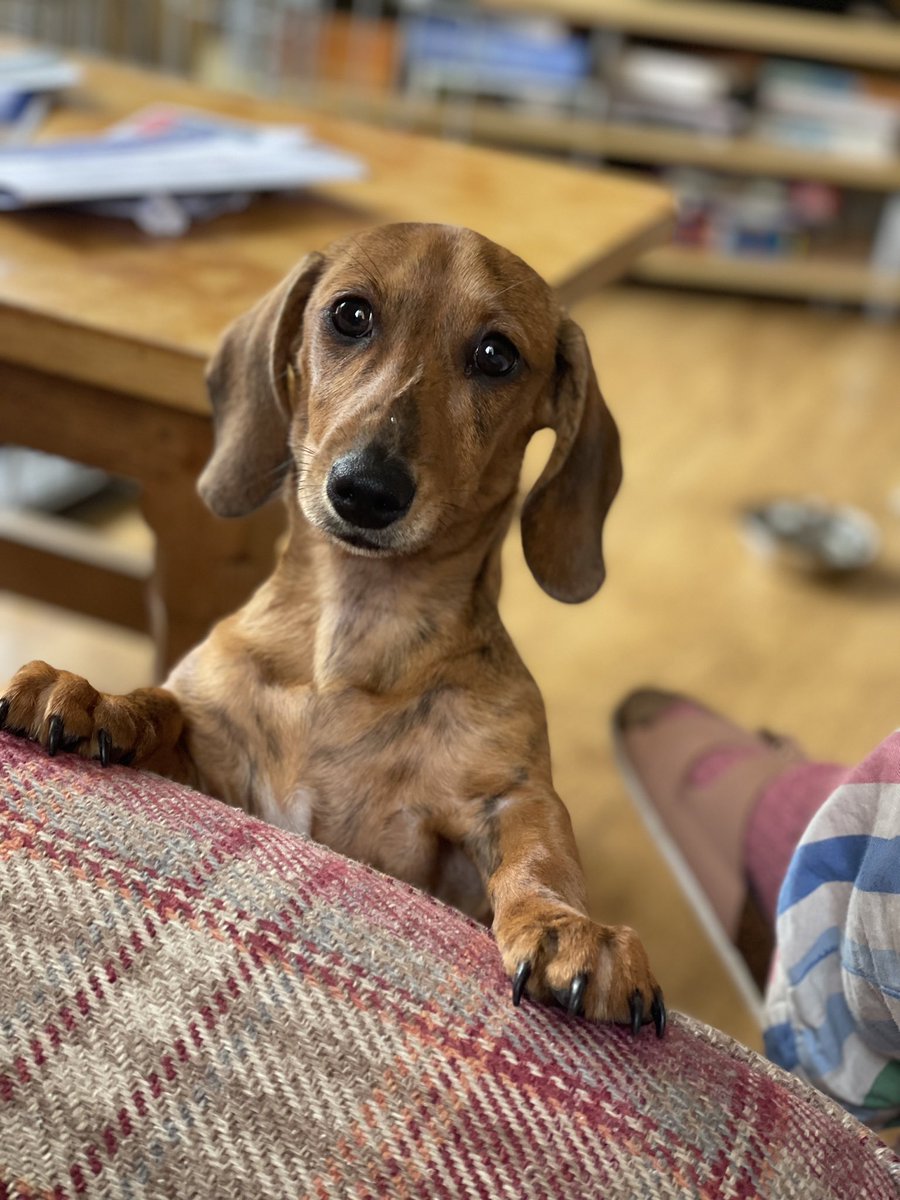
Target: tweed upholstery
point(194, 1004)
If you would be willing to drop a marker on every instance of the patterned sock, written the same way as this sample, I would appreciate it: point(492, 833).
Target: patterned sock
point(777, 822)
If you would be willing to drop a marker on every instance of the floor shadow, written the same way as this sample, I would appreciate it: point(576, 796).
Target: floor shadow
point(878, 584)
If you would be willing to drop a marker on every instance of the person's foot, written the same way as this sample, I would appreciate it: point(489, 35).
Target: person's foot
point(696, 777)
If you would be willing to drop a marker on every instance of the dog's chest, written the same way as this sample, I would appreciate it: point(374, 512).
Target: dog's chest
point(372, 768)
point(358, 772)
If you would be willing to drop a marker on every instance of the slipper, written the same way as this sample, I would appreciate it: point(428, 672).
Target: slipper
point(696, 777)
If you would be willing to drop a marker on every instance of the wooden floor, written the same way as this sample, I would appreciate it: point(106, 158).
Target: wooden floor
point(720, 402)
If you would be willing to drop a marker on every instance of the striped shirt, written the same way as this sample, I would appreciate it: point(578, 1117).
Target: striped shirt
point(833, 1002)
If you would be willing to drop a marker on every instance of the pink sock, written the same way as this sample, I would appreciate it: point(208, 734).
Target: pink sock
point(777, 823)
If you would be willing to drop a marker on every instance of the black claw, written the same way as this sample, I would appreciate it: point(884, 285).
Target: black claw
point(55, 735)
point(575, 1001)
point(658, 1012)
point(636, 1006)
point(523, 971)
point(4, 712)
point(104, 745)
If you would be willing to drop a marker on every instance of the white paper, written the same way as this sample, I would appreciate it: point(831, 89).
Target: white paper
point(168, 152)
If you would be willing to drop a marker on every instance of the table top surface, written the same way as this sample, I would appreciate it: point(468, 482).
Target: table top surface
point(94, 299)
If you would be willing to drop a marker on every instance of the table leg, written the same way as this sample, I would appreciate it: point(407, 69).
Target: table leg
point(205, 567)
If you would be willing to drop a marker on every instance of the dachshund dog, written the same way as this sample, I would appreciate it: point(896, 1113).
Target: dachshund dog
point(367, 694)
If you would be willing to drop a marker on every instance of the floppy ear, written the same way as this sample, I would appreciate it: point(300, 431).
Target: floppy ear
point(247, 380)
point(562, 520)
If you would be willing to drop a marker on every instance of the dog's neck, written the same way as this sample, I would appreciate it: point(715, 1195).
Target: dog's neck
point(374, 620)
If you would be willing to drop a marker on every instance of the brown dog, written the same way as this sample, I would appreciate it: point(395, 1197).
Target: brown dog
point(368, 694)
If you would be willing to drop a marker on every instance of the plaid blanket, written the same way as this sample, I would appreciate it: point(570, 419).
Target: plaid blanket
point(833, 1002)
point(194, 1004)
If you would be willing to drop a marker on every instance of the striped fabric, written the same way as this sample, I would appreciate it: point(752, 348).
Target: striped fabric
point(196, 1005)
point(833, 1004)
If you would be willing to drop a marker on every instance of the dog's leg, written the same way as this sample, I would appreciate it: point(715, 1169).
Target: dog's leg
point(63, 712)
point(549, 946)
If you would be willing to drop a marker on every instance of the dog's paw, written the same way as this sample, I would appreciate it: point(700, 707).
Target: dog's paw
point(62, 711)
point(602, 972)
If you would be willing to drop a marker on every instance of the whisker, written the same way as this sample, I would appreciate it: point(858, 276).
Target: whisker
point(509, 288)
point(372, 271)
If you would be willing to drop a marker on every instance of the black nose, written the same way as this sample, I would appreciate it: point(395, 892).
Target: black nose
point(370, 489)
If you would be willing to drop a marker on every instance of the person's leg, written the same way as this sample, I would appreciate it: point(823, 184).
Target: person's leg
point(729, 805)
point(746, 815)
point(777, 821)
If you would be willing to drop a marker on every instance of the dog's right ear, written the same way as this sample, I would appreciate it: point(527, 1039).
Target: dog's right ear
point(247, 380)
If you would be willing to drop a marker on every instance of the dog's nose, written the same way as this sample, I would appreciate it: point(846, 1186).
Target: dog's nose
point(370, 489)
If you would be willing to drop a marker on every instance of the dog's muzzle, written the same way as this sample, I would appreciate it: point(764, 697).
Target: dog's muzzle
point(370, 489)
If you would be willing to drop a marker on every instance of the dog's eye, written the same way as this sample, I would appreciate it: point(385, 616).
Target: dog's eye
point(352, 317)
point(495, 355)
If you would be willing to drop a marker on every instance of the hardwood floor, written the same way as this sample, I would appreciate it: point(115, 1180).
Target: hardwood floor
point(721, 402)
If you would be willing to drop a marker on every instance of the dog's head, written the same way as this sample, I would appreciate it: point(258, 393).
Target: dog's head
point(399, 376)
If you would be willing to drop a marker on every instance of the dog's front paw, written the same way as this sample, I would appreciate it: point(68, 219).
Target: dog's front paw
point(553, 952)
point(63, 712)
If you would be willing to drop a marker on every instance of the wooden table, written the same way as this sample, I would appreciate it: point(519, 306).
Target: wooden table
point(104, 332)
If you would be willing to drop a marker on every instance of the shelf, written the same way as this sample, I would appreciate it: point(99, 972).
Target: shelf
point(579, 134)
point(737, 26)
point(48, 557)
point(743, 155)
point(822, 278)
point(73, 539)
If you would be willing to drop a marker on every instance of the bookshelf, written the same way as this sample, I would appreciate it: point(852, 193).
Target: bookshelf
point(870, 44)
point(734, 26)
point(626, 143)
point(833, 277)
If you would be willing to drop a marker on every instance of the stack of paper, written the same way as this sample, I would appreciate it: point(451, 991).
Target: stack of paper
point(167, 166)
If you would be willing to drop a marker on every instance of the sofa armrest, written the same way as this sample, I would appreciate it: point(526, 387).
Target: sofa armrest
point(196, 1004)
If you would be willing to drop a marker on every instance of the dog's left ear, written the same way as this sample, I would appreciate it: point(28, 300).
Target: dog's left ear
point(562, 520)
point(247, 380)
